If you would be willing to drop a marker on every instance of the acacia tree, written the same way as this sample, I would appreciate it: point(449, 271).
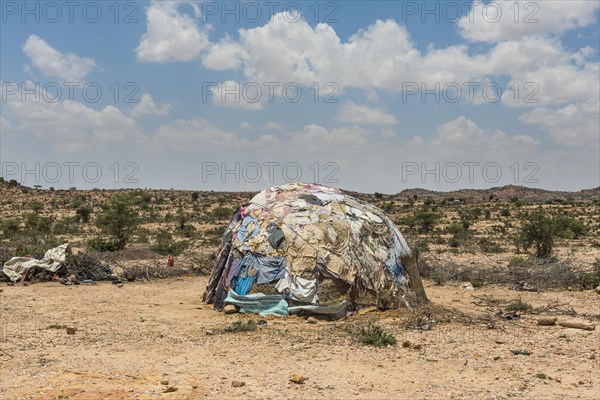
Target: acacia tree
point(118, 219)
point(539, 230)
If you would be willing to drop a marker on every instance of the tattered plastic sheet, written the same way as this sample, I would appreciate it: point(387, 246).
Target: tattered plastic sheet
point(263, 304)
point(16, 267)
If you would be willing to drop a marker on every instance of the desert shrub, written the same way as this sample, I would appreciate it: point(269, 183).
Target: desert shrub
point(518, 306)
point(222, 213)
point(9, 227)
point(118, 219)
point(453, 242)
point(64, 226)
point(476, 282)
point(37, 224)
point(569, 227)
point(489, 246)
point(166, 245)
point(375, 335)
point(427, 220)
point(540, 231)
point(82, 214)
point(591, 280)
point(241, 326)
point(101, 244)
point(437, 278)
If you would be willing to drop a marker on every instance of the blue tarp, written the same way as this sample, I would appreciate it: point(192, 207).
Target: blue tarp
point(268, 269)
point(243, 285)
point(248, 222)
point(258, 303)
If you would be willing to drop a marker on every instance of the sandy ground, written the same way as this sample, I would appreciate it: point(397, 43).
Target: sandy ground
point(136, 341)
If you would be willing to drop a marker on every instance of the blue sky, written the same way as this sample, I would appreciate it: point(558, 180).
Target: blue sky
point(191, 95)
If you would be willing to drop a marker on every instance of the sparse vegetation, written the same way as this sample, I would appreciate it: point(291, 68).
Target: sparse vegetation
point(375, 335)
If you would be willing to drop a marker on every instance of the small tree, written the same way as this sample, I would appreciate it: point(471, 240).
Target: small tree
point(118, 220)
point(427, 220)
point(221, 213)
point(539, 230)
point(82, 214)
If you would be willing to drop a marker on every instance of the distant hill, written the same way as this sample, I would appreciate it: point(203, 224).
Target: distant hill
point(503, 193)
point(507, 193)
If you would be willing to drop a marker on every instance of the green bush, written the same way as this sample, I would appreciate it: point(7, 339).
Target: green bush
point(591, 280)
point(166, 246)
point(241, 326)
point(437, 278)
point(101, 244)
point(118, 219)
point(9, 227)
point(519, 306)
point(374, 335)
point(540, 231)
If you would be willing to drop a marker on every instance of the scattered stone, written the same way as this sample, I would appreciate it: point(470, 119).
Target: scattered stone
point(468, 286)
point(415, 346)
point(230, 309)
point(164, 382)
point(297, 379)
point(577, 325)
point(209, 332)
point(521, 352)
point(592, 357)
point(546, 321)
point(524, 287)
point(25, 284)
point(238, 383)
point(120, 284)
point(1, 290)
point(130, 276)
point(170, 389)
point(71, 331)
point(598, 289)
point(406, 343)
point(312, 320)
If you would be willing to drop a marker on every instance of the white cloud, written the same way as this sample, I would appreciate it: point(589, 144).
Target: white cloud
point(51, 62)
point(364, 115)
point(557, 84)
point(273, 125)
point(224, 55)
point(246, 125)
point(232, 94)
point(71, 127)
point(574, 125)
point(147, 106)
point(507, 20)
point(383, 56)
point(170, 35)
point(462, 138)
point(197, 135)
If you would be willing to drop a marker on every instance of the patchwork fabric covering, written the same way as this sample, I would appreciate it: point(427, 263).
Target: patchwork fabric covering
point(297, 237)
